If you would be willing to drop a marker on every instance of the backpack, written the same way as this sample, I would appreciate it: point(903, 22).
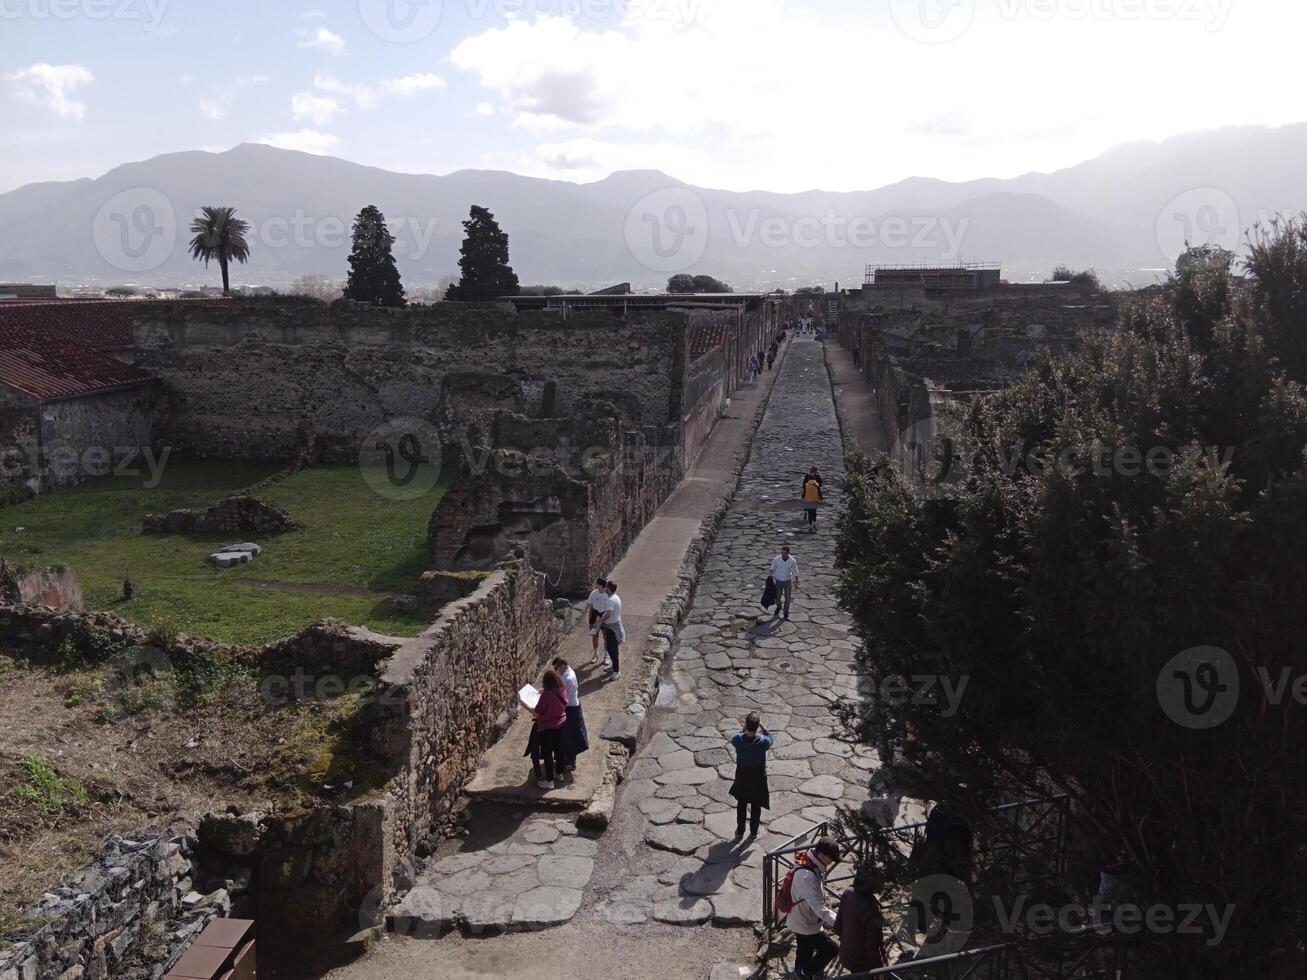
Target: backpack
point(785, 896)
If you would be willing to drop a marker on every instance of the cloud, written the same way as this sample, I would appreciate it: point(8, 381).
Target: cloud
point(323, 40)
point(304, 140)
point(218, 105)
point(51, 87)
point(366, 95)
point(319, 109)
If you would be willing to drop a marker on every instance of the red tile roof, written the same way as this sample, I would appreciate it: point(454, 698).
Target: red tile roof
point(103, 324)
point(47, 366)
point(58, 348)
point(707, 337)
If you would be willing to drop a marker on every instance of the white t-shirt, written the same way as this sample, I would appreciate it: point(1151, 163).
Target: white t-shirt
point(572, 687)
point(598, 600)
point(614, 620)
point(784, 569)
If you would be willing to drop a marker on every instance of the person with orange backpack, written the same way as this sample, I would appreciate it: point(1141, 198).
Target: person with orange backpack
point(802, 898)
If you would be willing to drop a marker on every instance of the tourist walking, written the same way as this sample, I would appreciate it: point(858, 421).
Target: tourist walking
point(810, 914)
point(575, 737)
point(771, 355)
point(860, 924)
point(610, 623)
point(550, 714)
point(812, 498)
point(785, 573)
point(596, 605)
point(753, 368)
point(751, 743)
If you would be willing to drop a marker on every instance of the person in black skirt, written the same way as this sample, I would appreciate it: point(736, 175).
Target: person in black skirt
point(575, 737)
point(751, 743)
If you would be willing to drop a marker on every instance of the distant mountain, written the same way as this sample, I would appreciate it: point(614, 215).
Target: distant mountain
point(1124, 213)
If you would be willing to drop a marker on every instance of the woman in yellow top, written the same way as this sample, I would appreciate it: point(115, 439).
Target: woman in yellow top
point(812, 497)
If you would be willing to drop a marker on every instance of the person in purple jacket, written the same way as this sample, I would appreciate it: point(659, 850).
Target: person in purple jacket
point(550, 714)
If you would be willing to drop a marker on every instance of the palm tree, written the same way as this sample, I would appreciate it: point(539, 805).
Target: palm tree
point(220, 235)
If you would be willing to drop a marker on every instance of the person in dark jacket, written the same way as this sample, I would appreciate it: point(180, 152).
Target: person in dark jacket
point(860, 924)
point(751, 744)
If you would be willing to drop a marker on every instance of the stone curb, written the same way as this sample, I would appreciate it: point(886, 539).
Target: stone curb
point(662, 635)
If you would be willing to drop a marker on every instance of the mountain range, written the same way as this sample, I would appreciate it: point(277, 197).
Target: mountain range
point(1126, 213)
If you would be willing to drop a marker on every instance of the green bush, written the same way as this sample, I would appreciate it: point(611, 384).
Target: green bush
point(1061, 589)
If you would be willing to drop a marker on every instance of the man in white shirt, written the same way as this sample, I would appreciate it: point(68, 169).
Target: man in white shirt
point(785, 573)
point(611, 626)
point(595, 606)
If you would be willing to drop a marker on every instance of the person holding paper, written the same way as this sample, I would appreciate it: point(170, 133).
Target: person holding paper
point(550, 714)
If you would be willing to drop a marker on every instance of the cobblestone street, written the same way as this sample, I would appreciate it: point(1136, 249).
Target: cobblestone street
point(669, 859)
point(732, 658)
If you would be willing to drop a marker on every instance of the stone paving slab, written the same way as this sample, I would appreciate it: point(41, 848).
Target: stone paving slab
point(731, 657)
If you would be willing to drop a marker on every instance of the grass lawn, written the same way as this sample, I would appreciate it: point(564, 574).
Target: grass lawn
point(350, 538)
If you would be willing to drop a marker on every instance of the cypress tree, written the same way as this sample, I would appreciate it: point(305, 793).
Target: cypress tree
point(483, 261)
point(373, 277)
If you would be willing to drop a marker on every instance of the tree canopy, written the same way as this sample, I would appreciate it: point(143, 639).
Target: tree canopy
point(483, 261)
point(1122, 516)
point(685, 283)
point(220, 237)
point(373, 276)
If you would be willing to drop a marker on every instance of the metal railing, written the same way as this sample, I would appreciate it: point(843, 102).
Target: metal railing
point(1020, 847)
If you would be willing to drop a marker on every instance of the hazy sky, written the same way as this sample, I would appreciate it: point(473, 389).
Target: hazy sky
point(729, 93)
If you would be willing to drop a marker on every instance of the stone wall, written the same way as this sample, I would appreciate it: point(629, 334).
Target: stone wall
point(248, 380)
point(234, 515)
point(131, 914)
point(449, 694)
point(61, 442)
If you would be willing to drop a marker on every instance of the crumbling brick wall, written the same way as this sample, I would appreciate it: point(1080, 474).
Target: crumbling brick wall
point(245, 379)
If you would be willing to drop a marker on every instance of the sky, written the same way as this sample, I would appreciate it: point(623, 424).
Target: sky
point(737, 94)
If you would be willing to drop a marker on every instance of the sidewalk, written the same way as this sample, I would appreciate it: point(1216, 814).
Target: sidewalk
point(855, 403)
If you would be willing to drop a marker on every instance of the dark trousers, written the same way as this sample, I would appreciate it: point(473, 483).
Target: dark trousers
point(814, 954)
point(550, 753)
point(755, 816)
point(812, 516)
point(612, 646)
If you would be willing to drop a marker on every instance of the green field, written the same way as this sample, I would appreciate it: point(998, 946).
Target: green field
point(350, 539)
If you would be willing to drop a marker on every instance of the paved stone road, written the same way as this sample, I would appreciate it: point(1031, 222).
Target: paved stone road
point(669, 858)
point(732, 658)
